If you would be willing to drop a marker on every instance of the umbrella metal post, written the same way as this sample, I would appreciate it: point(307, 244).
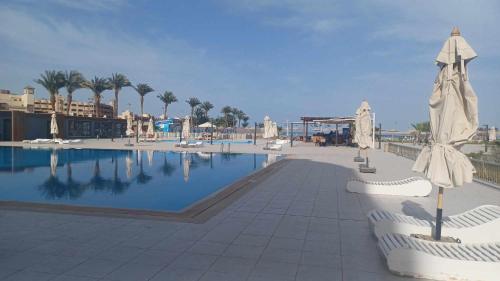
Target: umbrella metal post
point(212, 135)
point(336, 134)
point(439, 214)
point(379, 135)
point(137, 135)
point(291, 135)
point(180, 133)
point(255, 134)
point(486, 139)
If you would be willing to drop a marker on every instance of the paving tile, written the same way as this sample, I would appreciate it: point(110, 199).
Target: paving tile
point(73, 278)
point(155, 257)
point(120, 253)
point(208, 248)
point(274, 270)
point(220, 276)
point(281, 255)
point(95, 267)
point(252, 240)
point(56, 264)
point(29, 276)
point(359, 275)
point(237, 266)
point(178, 274)
point(134, 272)
point(320, 259)
point(328, 246)
point(193, 261)
point(316, 273)
point(173, 245)
point(243, 251)
point(286, 243)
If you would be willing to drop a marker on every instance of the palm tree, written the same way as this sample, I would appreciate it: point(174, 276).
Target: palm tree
point(236, 114)
point(226, 110)
point(142, 90)
point(239, 114)
point(52, 81)
point(72, 81)
point(423, 127)
point(118, 81)
point(245, 121)
point(206, 106)
point(97, 85)
point(193, 102)
point(167, 98)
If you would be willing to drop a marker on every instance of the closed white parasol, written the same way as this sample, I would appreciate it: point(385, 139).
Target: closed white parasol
point(453, 118)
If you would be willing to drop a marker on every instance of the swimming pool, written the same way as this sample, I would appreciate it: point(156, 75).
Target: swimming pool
point(125, 179)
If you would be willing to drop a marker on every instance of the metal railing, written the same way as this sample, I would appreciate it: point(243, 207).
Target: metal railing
point(485, 171)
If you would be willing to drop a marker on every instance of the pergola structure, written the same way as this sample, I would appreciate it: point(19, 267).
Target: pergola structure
point(326, 120)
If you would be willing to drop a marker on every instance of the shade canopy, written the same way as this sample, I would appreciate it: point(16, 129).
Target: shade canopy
point(54, 130)
point(151, 127)
point(453, 117)
point(186, 128)
point(206, 125)
point(363, 135)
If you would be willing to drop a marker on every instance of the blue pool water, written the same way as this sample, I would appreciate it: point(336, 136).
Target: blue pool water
point(147, 180)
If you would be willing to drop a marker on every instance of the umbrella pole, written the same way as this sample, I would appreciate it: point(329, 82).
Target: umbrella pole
point(439, 214)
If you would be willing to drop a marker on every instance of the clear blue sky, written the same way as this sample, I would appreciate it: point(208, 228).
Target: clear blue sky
point(282, 58)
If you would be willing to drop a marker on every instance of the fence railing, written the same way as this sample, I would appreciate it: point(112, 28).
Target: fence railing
point(485, 171)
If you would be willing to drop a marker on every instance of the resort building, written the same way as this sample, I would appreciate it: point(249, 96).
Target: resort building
point(26, 102)
point(23, 117)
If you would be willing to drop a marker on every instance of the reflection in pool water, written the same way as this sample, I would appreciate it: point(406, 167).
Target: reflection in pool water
point(148, 180)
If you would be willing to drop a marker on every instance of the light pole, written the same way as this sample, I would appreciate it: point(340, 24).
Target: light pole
point(486, 139)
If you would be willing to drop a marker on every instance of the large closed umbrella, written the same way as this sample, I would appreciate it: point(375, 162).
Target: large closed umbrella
point(139, 128)
point(186, 128)
point(274, 131)
point(454, 121)
point(129, 131)
point(151, 128)
point(268, 128)
point(363, 135)
point(54, 130)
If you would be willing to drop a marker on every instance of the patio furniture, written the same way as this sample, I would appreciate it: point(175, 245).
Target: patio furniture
point(481, 224)
point(414, 186)
point(420, 258)
point(276, 147)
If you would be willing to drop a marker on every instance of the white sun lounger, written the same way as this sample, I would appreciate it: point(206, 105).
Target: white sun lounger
point(420, 258)
point(478, 225)
point(273, 147)
point(196, 144)
point(61, 141)
point(414, 186)
point(41, 141)
point(181, 144)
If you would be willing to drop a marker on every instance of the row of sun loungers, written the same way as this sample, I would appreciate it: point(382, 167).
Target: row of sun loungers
point(474, 256)
point(56, 141)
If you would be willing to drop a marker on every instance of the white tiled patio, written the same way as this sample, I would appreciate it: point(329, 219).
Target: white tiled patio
point(299, 224)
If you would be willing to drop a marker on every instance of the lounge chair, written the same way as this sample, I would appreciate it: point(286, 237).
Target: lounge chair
point(420, 258)
point(414, 186)
point(196, 144)
point(273, 147)
point(61, 141)
point(42, 141)
point(478, 225)
point(181, 144)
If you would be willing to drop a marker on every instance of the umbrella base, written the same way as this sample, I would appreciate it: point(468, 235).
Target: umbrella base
point(444, 239)
point(359, 159)
point(365, 169)
point(129, 144)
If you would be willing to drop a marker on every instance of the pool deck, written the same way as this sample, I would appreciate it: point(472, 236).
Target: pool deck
point(297, 224)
